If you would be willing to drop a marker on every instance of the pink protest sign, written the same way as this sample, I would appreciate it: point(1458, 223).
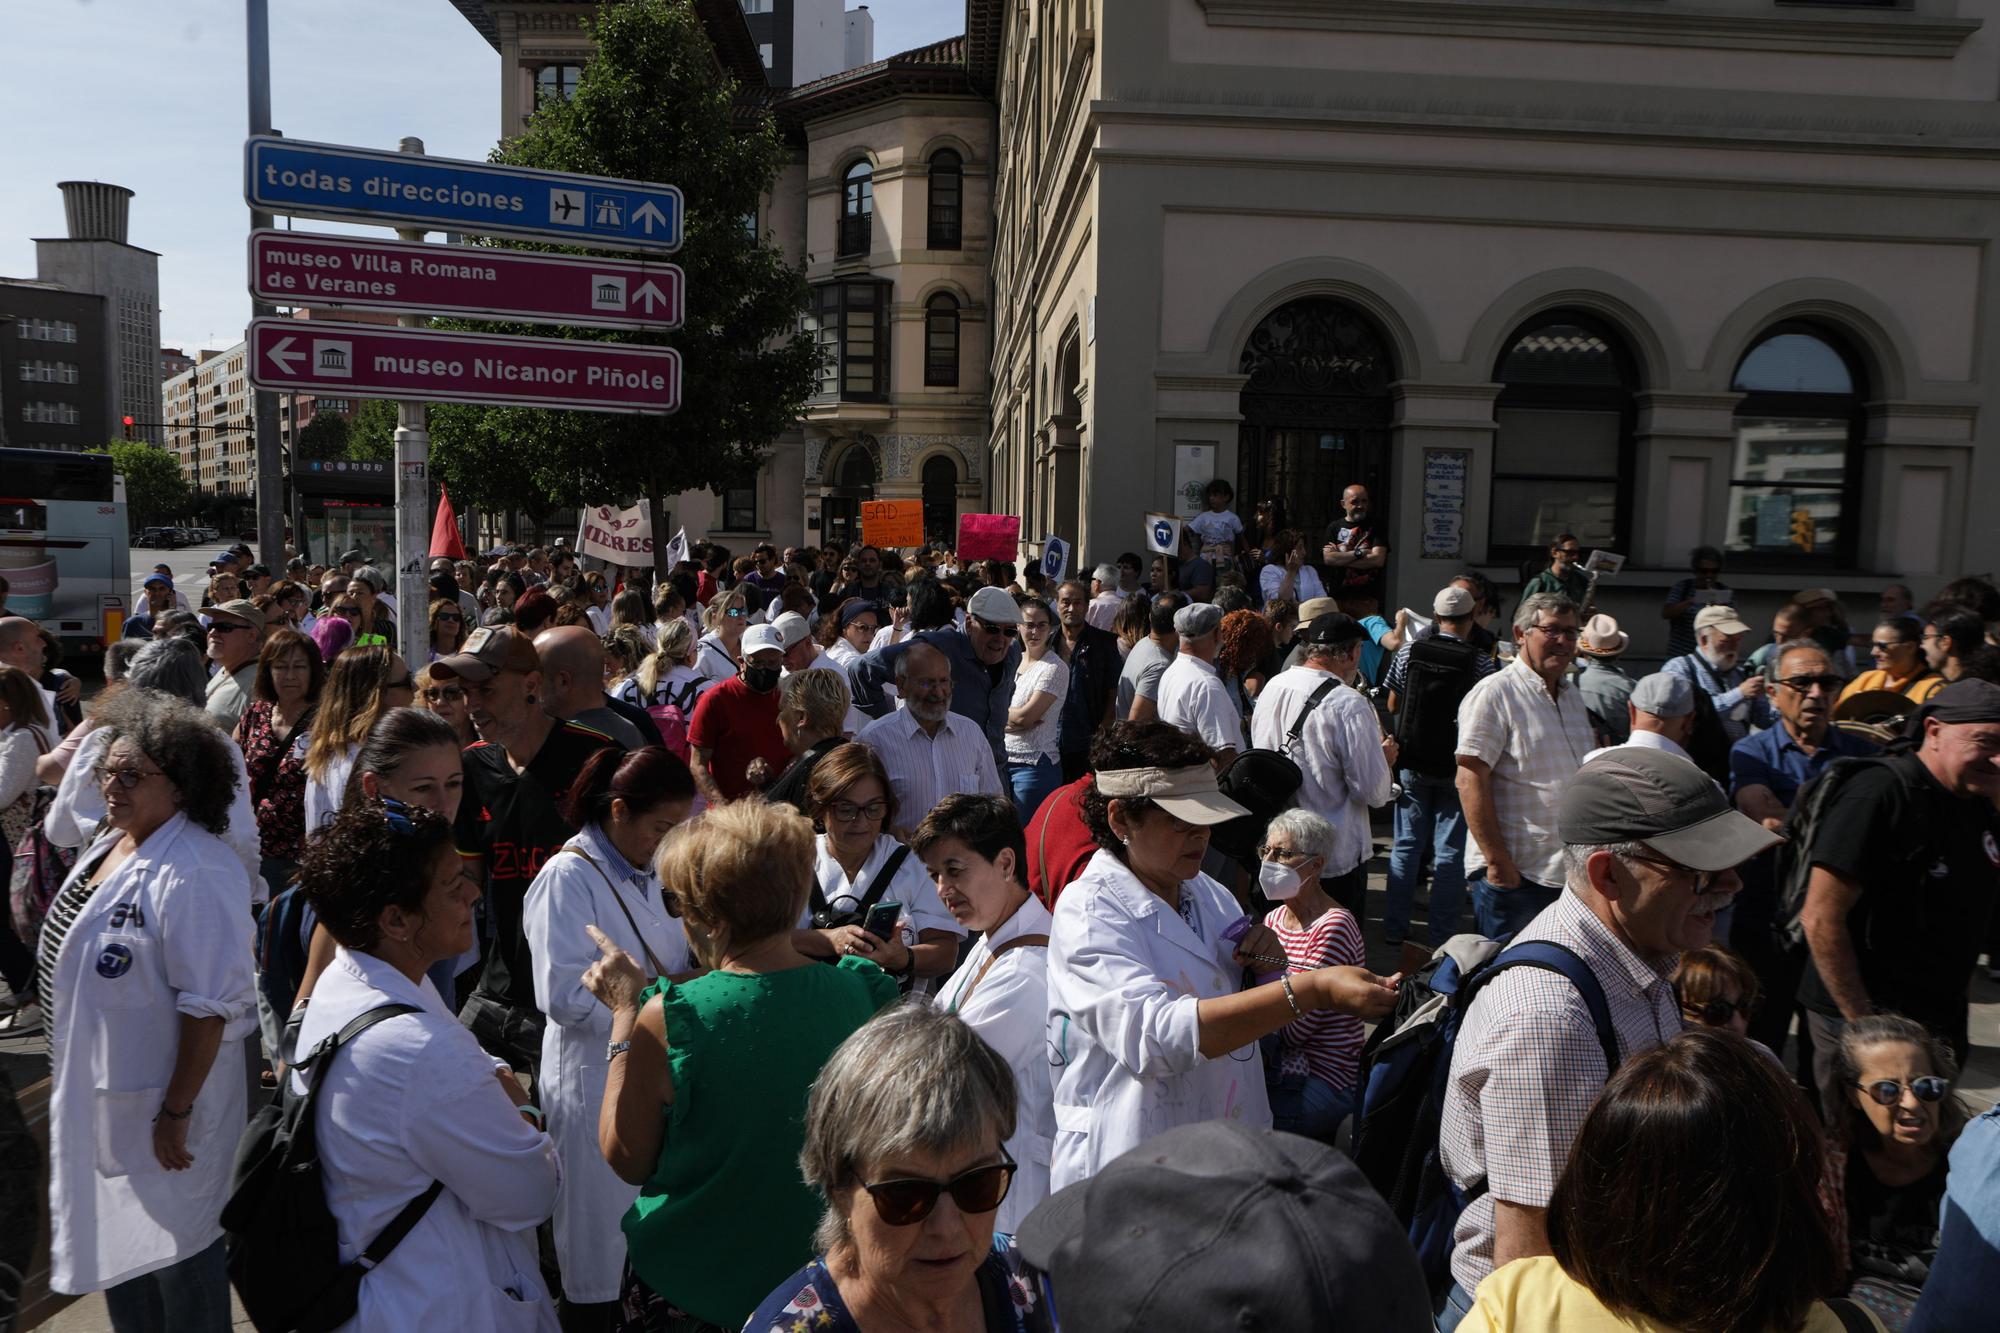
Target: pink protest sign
point(989, 536)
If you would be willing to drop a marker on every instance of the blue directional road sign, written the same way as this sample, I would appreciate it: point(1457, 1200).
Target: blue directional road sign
point(318, 180)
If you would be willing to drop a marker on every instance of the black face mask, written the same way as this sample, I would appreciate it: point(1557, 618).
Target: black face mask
point(761, 679)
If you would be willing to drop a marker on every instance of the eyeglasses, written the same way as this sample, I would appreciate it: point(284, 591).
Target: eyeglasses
point(1004, 631)
point(1806, 684)
point(847, 812)
point(1282, 854)
point(1888, 1091)
point(1555, 631)
point(126, 778)
point(224, 627)
point(903, 1203)
point(1717, 1012)
point(1704, 880)
point(445, 694)
point(349, 610)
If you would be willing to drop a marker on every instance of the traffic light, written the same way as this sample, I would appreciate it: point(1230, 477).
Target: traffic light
point(128, 428)
point(1802, 530)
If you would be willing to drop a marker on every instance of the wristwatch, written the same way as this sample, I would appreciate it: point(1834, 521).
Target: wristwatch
point(617, 1048)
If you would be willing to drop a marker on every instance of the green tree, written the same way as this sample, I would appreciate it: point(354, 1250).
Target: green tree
point(325, 436)
point(371, 431)
point(154, 490)
point(655, 105)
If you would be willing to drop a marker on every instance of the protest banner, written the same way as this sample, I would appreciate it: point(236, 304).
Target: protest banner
point(892, 522)
point(989, 536)
point(619, 536)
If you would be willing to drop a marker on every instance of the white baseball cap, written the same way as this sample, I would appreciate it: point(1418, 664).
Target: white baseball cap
point(760, 637)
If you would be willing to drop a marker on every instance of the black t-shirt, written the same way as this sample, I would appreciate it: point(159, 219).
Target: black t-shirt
point(1344, 581)
point(1928, 864)
point(1892, 1230)
point(511, 820)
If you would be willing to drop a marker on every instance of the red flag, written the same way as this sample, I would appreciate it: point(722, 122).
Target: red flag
point(444, 533)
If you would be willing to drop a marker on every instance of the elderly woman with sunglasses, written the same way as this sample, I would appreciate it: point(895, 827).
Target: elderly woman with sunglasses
point(145, 977)
point(913, 1171)
point(1890, 1141)
point(1150, 1026)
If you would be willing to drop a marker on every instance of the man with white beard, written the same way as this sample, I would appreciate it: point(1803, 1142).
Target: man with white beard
point(1739, 693)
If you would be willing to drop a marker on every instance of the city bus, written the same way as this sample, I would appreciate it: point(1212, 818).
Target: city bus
point(64, 548)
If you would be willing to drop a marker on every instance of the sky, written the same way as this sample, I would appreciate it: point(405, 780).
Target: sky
point(150, 94)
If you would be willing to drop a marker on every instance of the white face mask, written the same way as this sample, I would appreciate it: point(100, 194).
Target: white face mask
point(1279, 881)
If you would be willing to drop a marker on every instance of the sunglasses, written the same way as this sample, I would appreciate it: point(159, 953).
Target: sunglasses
point(450, 618)
point(903, 1203)
point(445, 694)
point(736, 613)
point(1004, 631)
point(1715, 1013)
point(349, 610)
point(1805, 684)
point(221, 627)
point(1888, 1092)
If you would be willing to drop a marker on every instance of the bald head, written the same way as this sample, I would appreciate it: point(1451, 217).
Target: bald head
point(573, 667)
point(21, 645)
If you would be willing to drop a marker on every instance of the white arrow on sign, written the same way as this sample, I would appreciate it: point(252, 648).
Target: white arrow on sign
point(649, 213)
point(650, 294)
point(278, 353)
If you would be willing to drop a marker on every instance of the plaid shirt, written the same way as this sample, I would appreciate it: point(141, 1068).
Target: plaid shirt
point(1534, 745)
point(1527, 1066)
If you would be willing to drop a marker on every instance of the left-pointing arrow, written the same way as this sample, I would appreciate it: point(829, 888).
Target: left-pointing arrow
point(281, 356)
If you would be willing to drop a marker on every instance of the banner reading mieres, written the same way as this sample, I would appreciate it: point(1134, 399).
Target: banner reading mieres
point(621, 536)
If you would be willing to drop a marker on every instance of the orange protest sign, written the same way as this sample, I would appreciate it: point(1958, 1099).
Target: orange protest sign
point(892, 522)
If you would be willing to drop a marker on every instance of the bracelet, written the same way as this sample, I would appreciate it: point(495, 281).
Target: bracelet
point(534, 1112)
point(1291, 998)
point(165, 1114)
point(1266, 958)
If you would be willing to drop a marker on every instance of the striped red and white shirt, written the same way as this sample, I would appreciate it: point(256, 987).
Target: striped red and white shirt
point(1326, 1045)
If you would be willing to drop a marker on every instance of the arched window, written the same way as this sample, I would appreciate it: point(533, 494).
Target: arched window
point(1798, 430)
point(556, 81)
point(940, 477)
point(947, 199)
point(1562, 453)
point(941, 341)
point(857, 209)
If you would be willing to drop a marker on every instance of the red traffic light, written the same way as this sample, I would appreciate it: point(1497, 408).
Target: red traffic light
point(128, 421)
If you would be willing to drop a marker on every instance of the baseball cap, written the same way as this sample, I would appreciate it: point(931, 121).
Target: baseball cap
point(353, 557)
point(1722, 618)
point(160, 579)
point(489, 651)
point(1452, 601)
point(1197, 620)
point(1664, 694)
point(238, 608)
point(1243, 1228)
point(1189, 793)
point(760, 637)
point(1331, 627)
point(994, 606)
point(1634, 794)
point(792, 628)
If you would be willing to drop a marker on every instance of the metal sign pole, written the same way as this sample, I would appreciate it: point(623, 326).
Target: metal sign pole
point(413, 503)
point(270, 451)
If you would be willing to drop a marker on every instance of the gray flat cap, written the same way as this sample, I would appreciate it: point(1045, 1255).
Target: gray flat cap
point(1664, 695)
point(1197, 620)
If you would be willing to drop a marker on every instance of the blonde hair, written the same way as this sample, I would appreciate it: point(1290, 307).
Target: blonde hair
point(717, 609)
point(349, 703)
point(742, 871)
point(676, 644)
point(818, 697)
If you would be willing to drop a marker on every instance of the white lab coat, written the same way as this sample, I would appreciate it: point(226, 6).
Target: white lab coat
point(411, 1100)
point(1126, 973)
point(567, 896)
point(1009, 1009)
point(168, 934)
point(78, 808)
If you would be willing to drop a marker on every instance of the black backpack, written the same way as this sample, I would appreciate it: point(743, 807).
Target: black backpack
point(1707, 743)
point(1436, 679)
point(284, 1246)
point(1793, 871)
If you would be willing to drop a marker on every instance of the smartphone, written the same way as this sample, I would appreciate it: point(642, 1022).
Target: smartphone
point(882, 919)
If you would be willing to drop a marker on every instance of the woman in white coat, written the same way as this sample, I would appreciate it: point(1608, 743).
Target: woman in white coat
point(412, 1100)
point(1149, 1026)
point(973, 847)
point(623, 804)
point(144, 972)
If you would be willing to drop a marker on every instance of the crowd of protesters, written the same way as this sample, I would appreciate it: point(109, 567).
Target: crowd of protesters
point(869, 940)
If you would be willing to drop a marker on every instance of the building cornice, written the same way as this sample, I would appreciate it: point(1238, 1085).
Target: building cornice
point(1623, 22)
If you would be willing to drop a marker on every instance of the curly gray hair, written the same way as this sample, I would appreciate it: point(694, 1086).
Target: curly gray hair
point(950, 1090)
point(184, 743)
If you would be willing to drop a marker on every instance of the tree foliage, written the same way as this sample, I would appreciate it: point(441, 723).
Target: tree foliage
point(655, 105)
point(371, 431)
point(155, 492)
point(325, 436)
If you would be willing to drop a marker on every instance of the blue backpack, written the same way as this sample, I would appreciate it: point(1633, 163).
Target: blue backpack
point(1406, 1066)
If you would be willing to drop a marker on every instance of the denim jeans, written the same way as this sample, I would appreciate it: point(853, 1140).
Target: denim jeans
point(191, 1296)
point(1457, 1305)
point(1301, 1104)
point(1428, 815)
point(1502, 912)
point(1032, 783)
